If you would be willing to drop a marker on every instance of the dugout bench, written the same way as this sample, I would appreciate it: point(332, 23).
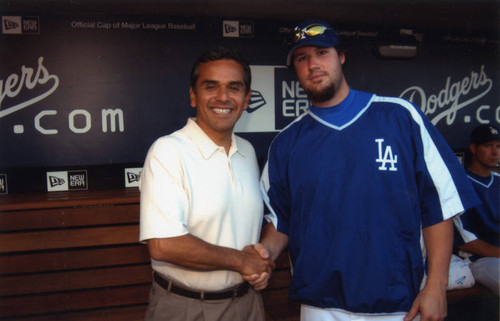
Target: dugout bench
point(75, 256)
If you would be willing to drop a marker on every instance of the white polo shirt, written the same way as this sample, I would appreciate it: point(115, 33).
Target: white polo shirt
point(190, 185)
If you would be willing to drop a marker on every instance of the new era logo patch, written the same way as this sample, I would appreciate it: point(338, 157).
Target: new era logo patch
point(237, 29)
point(20, 25)
point(132, 176)
point(67, 181)
point(3, 183)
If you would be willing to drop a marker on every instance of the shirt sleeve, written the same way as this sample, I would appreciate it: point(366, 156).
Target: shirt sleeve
point(462, 233)
point(164, 201)
point(275, 193)
point(445, 190)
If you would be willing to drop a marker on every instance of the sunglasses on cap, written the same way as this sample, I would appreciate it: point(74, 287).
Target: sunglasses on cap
point(310, 31)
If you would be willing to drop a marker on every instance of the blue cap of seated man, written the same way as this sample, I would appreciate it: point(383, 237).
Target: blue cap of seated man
point(326, 39)
point(484, 134)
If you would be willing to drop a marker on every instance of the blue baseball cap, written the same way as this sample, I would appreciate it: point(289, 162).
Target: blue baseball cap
point(484, 134)
point(315, 33)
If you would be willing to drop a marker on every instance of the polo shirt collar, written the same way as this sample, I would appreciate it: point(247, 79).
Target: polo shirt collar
point(205, 144)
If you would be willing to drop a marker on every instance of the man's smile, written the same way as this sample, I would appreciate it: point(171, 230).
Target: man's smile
point(221, 110)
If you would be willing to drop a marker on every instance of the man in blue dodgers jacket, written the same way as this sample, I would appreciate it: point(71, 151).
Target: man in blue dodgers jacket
point(354, 185)
point(478, 230)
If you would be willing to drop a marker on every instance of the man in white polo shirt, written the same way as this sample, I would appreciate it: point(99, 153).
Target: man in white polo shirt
point(201, 205)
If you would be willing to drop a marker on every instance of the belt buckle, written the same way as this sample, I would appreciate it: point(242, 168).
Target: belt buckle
point(235, 293)
point(240, 290)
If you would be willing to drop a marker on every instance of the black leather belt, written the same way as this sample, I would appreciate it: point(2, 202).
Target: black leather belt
point(168, 285)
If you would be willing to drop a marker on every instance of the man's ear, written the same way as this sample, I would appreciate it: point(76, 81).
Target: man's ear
point(342, 57)
point(472, 148)
point(192, 97)
point(247, 99)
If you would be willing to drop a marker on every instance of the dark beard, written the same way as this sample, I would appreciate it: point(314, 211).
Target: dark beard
point(325, 94)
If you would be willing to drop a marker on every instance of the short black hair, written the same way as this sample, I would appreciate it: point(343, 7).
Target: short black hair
point(222, 53)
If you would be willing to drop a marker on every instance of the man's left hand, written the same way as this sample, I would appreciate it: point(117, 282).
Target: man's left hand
point(431, 303)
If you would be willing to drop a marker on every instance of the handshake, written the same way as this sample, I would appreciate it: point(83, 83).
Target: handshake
point(256, 265)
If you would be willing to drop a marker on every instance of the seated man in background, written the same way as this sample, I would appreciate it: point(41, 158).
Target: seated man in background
point(478, 228)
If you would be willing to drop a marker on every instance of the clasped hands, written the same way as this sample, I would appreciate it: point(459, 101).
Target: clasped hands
point(257, 266)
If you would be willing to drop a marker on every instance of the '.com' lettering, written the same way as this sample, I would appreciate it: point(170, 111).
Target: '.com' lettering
point(39, 78)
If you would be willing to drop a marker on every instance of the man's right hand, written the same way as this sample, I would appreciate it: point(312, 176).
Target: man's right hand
point(259, 280)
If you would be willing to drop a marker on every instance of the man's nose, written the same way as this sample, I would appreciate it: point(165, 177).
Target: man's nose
point(312, 62)
point(222, 94)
